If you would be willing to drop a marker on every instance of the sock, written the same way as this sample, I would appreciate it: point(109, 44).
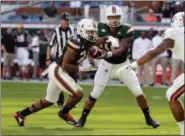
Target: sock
point(25, 112)
point(85, 113)
point(146, 112)
point(66, 109)
point(181, 126)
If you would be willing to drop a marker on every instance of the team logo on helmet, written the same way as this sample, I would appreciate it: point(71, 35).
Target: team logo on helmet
point(113, 9)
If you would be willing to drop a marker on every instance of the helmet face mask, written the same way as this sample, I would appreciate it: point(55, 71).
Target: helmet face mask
point(87, 29)
point(114, 21)
point(113, 16)
point(178, 20)
point(91, 35)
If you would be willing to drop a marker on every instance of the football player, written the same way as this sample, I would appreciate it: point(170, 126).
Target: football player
point(116, 58)
point(173, 39)
point(62, 73)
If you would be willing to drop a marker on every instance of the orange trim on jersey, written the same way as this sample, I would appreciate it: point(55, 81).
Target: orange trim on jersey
point(62, 81)
point(73, 45)
point(178, 93)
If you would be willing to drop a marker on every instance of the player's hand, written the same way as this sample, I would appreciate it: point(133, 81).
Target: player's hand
point(124, 69)
point(86, 69)
point(105, 54)
point(114, 42)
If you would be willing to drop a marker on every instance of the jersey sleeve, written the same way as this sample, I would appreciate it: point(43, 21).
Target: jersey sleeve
point(127, 31)
point(102, 30)
point(168, 34)
point(52, 39)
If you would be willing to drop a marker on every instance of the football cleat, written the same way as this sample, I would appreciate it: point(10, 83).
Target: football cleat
point(67, 118)
point(151, 122)
point(81, 123)
point(19, 118)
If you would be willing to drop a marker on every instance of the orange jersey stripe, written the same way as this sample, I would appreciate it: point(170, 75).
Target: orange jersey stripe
point(62, 81)
point(178, 93)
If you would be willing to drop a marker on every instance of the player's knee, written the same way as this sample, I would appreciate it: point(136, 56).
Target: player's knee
point(137, 92)
point(45, 102)
point(97, 91)
point(79, 95)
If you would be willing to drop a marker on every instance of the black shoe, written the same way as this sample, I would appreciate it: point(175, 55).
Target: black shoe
point(151, 122)
point(81, 123)
point(60, 105)
point(19, 118)
point(67, 118)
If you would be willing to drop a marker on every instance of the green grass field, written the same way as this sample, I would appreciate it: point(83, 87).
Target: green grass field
point(116, 113)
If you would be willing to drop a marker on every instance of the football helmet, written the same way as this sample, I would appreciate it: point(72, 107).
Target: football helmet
point(178, 20)
point(87, 29)
point(113, 16)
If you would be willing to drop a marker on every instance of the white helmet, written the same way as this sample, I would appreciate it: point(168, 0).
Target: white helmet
point(113, 11)
point(87, 29)
point(178, 20)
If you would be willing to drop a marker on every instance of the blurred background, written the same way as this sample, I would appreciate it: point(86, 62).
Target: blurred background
point(37, 19)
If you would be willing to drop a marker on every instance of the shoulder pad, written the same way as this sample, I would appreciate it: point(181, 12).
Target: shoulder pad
point(74, 42)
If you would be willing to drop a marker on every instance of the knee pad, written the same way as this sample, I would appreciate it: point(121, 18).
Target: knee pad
point(79, 95)
point(137, 93)
point(97, 91)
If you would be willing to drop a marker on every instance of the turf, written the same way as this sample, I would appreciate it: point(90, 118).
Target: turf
point(116, 113)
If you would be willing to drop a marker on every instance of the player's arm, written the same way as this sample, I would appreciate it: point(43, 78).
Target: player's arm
point(125, 43)
point(69, 57)
point(151, 54)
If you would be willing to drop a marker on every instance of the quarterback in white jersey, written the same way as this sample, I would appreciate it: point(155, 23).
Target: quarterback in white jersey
point(173, 39)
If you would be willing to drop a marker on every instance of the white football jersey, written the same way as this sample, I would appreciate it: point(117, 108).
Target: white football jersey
point(176, 34)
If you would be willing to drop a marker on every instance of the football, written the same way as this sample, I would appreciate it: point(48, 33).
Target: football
point(95, 52)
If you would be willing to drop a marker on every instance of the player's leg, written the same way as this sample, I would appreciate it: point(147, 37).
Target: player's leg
point(173, 94)
point(130, 79)
point(38, 105)
point(100, 81)
point(68, 85)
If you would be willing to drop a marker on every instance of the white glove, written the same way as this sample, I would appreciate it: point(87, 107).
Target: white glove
point(126, 69)
point(122, 70)
point(88, 68)
point(114, 42)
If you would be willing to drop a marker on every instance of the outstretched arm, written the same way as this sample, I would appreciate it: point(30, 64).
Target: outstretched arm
point(151, 54)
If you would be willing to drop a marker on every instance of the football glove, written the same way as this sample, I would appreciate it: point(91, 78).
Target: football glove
point(114, 42)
